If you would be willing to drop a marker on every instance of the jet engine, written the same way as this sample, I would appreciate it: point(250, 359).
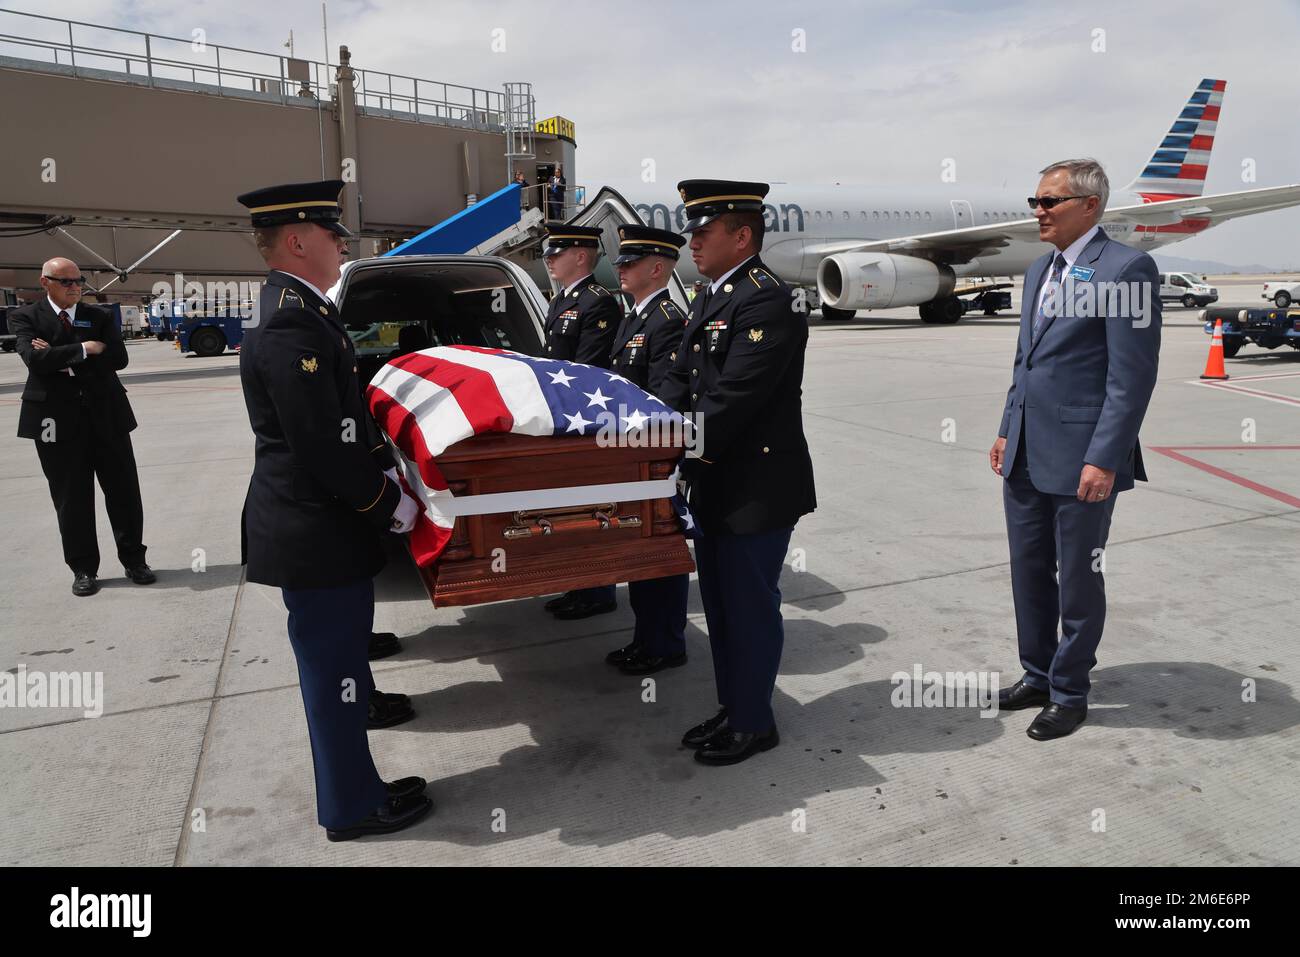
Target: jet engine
point(881, 281)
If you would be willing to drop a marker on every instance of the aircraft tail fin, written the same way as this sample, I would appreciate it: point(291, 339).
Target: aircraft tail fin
point(1177, 167)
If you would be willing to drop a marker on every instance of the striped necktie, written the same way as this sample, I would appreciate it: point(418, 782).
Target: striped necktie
point(1040, 316)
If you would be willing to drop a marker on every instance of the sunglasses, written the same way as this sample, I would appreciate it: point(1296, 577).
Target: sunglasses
point(1050, 202)
point(70, 283)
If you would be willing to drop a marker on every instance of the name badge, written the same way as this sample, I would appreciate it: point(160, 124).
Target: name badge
point(1080, 272)
point(82, 323)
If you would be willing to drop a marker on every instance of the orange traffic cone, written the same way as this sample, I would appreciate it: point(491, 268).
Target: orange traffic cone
point(1214, 361)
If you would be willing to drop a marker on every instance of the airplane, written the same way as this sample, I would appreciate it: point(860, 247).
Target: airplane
point(886, 247)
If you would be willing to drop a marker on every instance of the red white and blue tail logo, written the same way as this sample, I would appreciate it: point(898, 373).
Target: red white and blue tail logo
point(1177, 168)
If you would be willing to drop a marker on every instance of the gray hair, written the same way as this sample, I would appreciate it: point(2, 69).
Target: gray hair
point(1086, 178)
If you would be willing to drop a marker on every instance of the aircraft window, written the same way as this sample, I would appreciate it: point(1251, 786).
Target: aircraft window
point(927, 216)
point(907, 215)
point(847, 217)
point(918, 215)
point(817, 214)
point(875, 214)
point(863, 212)
point(897, 216)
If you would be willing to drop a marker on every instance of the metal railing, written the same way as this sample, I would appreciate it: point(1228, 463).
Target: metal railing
point(36, 42)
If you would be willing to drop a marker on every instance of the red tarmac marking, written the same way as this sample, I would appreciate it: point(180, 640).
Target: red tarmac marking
point(1176, 453)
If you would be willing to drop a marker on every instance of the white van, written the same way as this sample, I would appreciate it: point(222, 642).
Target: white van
point(1186, 288)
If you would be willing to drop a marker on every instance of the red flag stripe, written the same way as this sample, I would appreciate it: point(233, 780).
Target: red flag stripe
point(403, 428)
point(475, 391)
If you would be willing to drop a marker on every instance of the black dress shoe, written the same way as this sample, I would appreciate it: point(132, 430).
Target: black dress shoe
point(642, 664)
point(1020, 696)
point(398, 813)
point(388, 710)
point(141, 574)
point(84, 584)
point(555, 604)
point(382, 644)
point(699, 735)
point(732, 747)
point(584, 608)
point(1056, 721)
point(620, 655)
point(405, 787)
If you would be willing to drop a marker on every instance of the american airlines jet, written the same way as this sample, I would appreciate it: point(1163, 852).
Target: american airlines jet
point(884, 247)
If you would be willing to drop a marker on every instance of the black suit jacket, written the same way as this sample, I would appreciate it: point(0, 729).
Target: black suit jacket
point(646, 343)
point(739, 371)
point(58, 377)
point(580, 327)
point(318, 500)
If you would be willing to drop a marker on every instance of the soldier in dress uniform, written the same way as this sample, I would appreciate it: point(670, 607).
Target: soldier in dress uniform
point(580, 327)
point(323, 491)
point(739, 373)
point(644, 349)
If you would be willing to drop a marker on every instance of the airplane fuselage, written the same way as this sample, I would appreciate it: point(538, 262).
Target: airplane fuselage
point(801, 220)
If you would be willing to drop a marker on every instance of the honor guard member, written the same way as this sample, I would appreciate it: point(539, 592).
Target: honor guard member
point(739, 373)
point(318, 502)
point(644, 349)
point(580, 327)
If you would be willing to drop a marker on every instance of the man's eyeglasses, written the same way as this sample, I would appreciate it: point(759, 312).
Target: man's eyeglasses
point(1050, 202)
point(69, 283)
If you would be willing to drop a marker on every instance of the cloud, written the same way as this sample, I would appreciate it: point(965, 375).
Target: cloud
point(883, 94)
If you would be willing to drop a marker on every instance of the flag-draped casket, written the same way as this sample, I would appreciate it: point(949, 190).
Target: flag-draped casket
point(534, 476)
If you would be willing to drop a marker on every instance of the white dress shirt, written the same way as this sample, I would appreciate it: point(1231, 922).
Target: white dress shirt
point(641, 305)
point(323, 297)
point(727, 275)
point(72, 316)
point(1070, 253)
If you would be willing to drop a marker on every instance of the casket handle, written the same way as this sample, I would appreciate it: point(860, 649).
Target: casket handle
point(534, 522)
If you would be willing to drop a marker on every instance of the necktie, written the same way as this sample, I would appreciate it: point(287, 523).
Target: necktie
point(63, 318)
point(1040, 316)
point(706, 296)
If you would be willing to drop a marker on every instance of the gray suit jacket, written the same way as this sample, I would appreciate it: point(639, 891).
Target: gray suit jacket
point(1081, 387)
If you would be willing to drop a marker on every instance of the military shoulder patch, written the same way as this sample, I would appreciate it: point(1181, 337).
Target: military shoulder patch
point(308, 363)
point(761, 277)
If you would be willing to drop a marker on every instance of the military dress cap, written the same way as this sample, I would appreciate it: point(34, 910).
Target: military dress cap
point(707, 199)
point(562, 236)
point(635, 241)
point(297, 203)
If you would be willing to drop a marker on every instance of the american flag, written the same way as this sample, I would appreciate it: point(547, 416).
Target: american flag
point(429, 400)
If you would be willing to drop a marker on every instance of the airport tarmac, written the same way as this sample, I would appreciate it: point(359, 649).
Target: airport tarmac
point(539, 753)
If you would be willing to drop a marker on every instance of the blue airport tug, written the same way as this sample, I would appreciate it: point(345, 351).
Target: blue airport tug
point(1267, 328)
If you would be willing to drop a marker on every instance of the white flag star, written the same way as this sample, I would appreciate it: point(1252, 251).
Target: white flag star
point(596, 398)
point(636, 419)
point(616, 378)
point(576, 423)
point(688, 521)
point(560, 378)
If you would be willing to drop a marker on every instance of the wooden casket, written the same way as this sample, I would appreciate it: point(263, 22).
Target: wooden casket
point(524, 552)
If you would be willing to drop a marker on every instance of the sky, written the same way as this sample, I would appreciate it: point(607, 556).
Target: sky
point(852, 92)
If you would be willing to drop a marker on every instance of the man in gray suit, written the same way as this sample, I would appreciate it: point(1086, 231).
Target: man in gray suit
point(1083, 376)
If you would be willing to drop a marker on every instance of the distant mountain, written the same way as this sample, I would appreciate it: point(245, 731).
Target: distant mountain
point(1211, 268)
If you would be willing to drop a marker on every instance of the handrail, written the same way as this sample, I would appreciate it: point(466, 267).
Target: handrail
point(226, 69)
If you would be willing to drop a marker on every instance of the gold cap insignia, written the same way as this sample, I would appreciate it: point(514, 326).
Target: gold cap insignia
point(301, 214)
point(755, 335)
point(602, 324)
point(308, 364)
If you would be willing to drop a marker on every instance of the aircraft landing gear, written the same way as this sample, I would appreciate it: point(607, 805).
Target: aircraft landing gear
point(943, 312)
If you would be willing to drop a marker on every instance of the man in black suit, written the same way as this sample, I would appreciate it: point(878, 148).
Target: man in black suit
point(739, 373)
point(76, 410)
point(645, 347)
point(580, 327)
point(323, 490)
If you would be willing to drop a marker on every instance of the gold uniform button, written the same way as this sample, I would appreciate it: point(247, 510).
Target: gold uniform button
point(695, 372)
point(697, 347)
point(323, 311)
point(694, 396)
point(766, 450)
